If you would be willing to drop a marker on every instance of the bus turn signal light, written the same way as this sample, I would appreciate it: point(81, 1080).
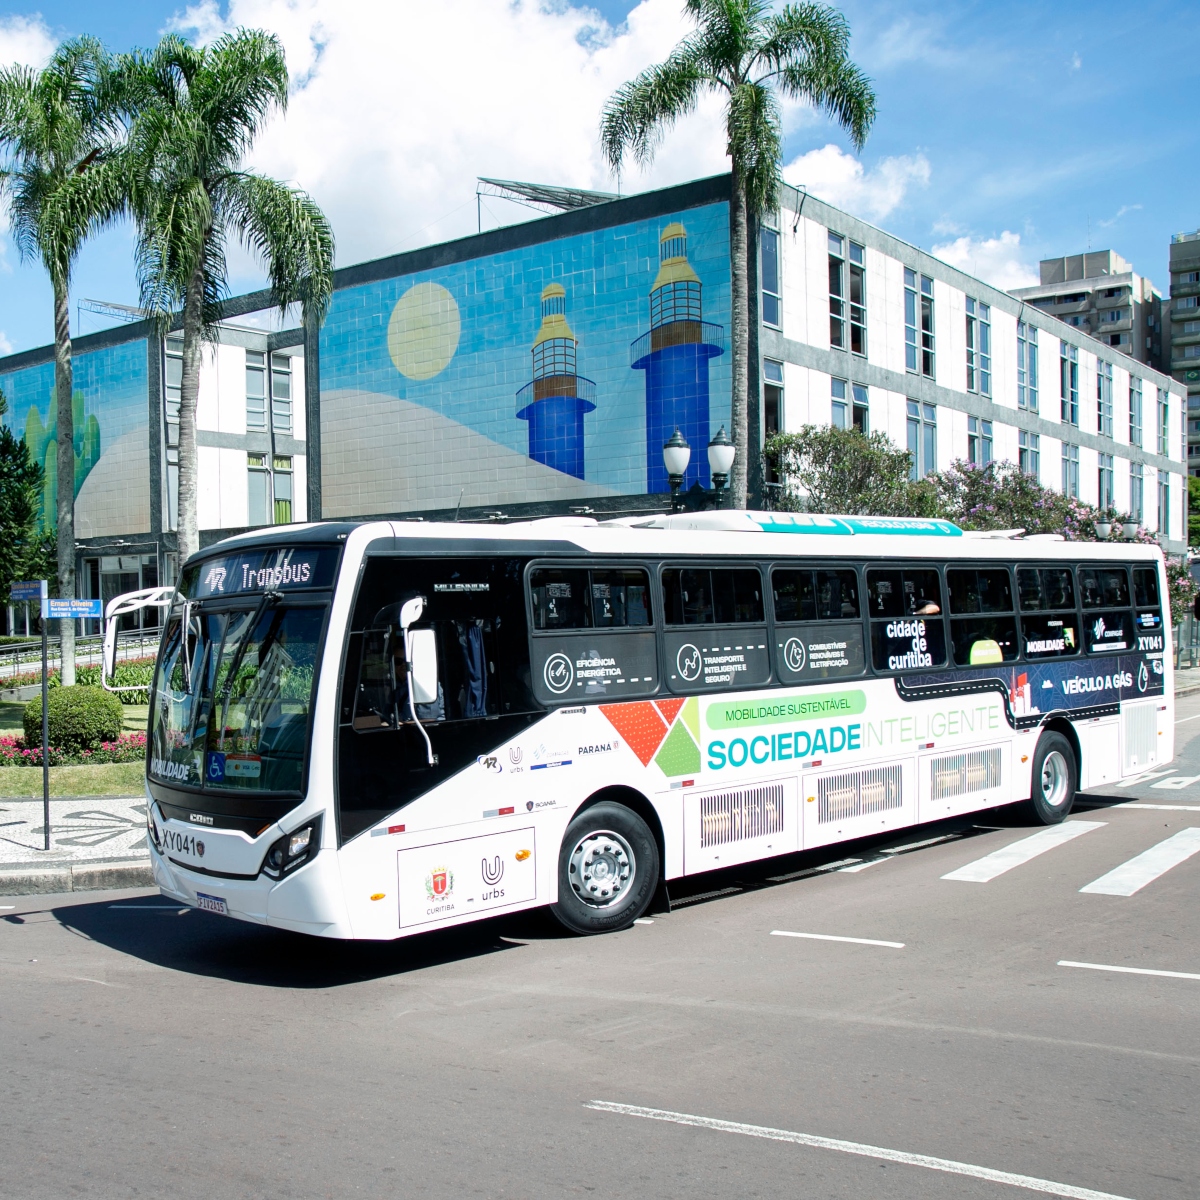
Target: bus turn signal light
point(522, 855)
point(378, 895)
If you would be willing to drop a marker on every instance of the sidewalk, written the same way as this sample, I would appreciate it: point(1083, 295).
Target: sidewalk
point(1187, 680)
point(95, 842)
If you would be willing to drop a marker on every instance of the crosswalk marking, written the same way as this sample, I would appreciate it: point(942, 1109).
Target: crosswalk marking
point(1146, 867)
point(984, 870)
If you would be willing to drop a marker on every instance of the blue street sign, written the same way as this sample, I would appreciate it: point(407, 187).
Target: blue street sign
point(57, 609)
point(28, 589)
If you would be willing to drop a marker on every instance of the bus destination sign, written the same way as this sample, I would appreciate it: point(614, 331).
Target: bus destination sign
point(276, 570)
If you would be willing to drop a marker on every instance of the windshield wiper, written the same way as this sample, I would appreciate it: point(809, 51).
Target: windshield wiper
point(251, 625)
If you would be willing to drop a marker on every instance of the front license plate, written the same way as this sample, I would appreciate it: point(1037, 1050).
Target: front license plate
point(214, 904)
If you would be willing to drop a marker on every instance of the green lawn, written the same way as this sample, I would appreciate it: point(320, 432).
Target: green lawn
point(11, 721)
point(108, 779)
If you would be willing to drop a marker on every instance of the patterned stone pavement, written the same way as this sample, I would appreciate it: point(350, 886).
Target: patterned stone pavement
point(83, 829)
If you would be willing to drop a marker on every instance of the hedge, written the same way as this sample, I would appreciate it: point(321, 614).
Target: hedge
point(81, 718)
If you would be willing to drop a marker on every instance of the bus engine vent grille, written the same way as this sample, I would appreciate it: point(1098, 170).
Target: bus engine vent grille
point(736, 816)
point(859, 793)
point(960, 774)
point(1141, 736)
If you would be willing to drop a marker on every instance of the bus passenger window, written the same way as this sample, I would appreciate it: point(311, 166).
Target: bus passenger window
point(983, 640)
point(1104, 587)
point(1049, 624)
point(1145, 597)
point(560, 599)
point(712, 597)
point(620, 599)
point(815, 595)
point(907, 633)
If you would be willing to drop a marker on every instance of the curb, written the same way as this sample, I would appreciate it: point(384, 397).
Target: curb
point(81, 877)
point(1187, 691)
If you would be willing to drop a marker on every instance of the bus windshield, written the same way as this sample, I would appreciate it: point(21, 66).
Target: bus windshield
point(233, 694)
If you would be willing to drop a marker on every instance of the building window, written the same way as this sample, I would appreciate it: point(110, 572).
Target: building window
point(256, 391)
point(1110, 316)
point(281, 393)
point(1069, 368)
point(1070, 470)
point(1027, 367)
point(1164, 425)
point(172, 386)
point(918, 324)
point(847, 294)
point(283, 489)
point(840, 414)
point(258, 480)
point(1137, 484)
point(1191, 352)
point(922, 439)
point(1135, 411)
point(862, 409)
point(979, 347)
point(1029, 453)
point(979, 441)
point(1104, 403)
point(1191, 327)
point(1185, 302)
point(1164, 503)
point(1189, 277)
point(772, 307)
point(772, 408)
point(1105, 478)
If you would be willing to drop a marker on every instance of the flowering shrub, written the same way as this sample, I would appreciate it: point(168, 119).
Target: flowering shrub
point(127, 748)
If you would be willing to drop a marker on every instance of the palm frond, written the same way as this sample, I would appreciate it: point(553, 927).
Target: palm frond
point(755, 143)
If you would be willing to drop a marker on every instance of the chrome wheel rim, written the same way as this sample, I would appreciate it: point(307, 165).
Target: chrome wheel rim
point(601, 869)
point(1055, 776)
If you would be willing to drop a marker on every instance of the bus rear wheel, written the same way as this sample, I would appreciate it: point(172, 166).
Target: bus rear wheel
point(1055, 778)
point(607, 870)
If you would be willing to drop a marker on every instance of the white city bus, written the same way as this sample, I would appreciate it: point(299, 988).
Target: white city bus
point(373, 730)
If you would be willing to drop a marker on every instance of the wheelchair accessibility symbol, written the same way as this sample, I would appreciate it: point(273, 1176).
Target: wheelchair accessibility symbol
point(793, 655)
point(216, 767)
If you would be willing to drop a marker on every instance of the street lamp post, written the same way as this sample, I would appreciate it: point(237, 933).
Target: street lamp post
point(676, 456)
point(721, 453)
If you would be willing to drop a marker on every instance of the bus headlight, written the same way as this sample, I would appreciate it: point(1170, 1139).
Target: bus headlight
point(292, 850)
point(152, 828)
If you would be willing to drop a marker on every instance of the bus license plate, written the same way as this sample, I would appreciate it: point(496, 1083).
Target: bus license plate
point(214, 904)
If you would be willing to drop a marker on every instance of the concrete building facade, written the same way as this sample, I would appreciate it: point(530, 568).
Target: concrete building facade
point(1101, 294)
point(1184, 327)
point(414, 399)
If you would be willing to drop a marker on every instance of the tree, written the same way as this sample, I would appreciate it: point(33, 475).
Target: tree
point(744, 51)
point(196, 111)
point(831, 470)
point(62, 180)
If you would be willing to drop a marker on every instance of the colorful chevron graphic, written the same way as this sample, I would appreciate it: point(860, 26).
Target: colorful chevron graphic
point(667, 731)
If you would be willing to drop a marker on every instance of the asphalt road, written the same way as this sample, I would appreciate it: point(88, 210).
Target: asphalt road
point(149, 1052)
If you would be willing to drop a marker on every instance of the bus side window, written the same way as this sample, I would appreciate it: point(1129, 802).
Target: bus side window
point(795, 595)
point(560, 599)
point(1104, 587)
point(1049, 622)
point(981, 640)
point(712, 597)
point(1145, 598)
point(375, 695)
point(907, 631)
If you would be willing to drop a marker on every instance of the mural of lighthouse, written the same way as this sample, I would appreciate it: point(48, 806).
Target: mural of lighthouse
point(555, 402)
point(674, 354)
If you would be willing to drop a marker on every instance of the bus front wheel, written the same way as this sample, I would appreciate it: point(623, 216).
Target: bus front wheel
point(1055, 778)
point(607, 870)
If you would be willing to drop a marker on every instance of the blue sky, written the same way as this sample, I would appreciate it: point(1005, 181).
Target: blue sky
point(1006, 132)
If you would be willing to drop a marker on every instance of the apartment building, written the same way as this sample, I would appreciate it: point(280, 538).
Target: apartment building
point(869, 330)
point(1101, 294)
point(1184, 331)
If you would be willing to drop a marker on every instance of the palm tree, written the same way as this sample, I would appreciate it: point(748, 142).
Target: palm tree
point(61, 179)
point(196, 113)
point(747, 52)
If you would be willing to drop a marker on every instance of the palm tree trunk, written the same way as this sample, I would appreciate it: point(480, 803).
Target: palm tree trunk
point(740, 336)
point(188, 523)
point(65, 472)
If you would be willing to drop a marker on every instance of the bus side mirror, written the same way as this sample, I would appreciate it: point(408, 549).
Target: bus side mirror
point(421, 654)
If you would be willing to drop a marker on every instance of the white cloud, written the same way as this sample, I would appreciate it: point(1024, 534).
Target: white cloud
point(397, 108)
point(999, 261)
point(1076, 61)
point(840, 178)
point(25, 40)
point(6, 347)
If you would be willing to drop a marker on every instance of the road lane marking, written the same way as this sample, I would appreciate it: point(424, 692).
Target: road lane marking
point(1132, 876)
point(1185, 720)
point(643, 920)
point(829, 937)
point(1176, 782)
point(1124, 783)
point(1046, 1186)
point(862, 866)
point(1160, 807)
point(984, 870)
point(1063, 962)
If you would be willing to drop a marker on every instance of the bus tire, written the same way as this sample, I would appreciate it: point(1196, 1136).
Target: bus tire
point(1055, 778)
point(608, 869)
